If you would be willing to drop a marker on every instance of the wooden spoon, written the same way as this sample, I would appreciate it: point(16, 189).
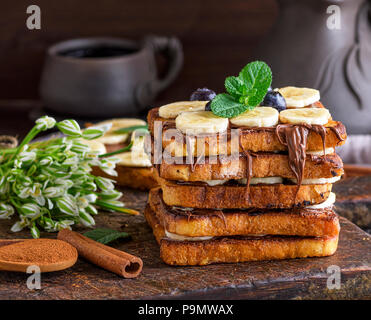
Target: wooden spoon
point(65, 263)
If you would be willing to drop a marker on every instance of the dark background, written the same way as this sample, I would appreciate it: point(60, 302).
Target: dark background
point(218, 36)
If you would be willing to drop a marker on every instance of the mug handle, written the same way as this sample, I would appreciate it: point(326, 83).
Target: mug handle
point(171, 47)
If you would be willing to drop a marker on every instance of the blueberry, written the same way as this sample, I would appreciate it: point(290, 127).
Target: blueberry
point(274, 99)
point(270, 89)
point(203, 94)
point(208, 106)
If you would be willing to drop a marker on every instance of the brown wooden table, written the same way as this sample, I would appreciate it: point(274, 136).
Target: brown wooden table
point(293, 279)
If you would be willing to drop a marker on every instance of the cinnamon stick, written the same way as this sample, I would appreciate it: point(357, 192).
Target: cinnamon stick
point(117, 261)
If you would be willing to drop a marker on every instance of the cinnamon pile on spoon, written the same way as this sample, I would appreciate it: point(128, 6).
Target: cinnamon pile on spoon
point(48, 254)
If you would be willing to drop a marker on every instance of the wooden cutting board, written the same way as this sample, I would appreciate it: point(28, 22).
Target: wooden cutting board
point(293, 279)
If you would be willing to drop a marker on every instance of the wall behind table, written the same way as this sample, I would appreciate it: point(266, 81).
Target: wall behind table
point(218, 36)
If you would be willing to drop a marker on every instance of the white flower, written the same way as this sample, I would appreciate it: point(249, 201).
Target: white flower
point(105, 127)
point(30, 210)
point(86, 219)
point(35, 232)
point(17, 163)
point(111, 195)
point(92, 133)
point(53, 192)
point(104, 184)
point(91, 209)
point(18, 226)
point(108, 165)
point(71, 161)
point(67, 205)
point(25, 193)
point(69, 127)
point(27, 156)
point(47, 161)
point(6, 211)
point(45, 123)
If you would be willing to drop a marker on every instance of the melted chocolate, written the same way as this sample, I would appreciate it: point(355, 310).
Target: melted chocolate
point(295, 137)
point(248, 167)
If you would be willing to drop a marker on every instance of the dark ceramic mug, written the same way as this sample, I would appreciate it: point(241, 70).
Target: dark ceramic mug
point(106, 77)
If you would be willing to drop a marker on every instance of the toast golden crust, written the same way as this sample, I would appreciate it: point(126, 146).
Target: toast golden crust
point(132, 177)
point(263, 165)
point(230, 196)
point(298, 222)
point(253, 139)
point(238, 249)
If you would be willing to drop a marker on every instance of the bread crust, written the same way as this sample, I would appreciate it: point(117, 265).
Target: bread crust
point(255, 140)
point(298, 222)
point(263, 165)
point(238, 249)
point(200, 195)
point(133, 177)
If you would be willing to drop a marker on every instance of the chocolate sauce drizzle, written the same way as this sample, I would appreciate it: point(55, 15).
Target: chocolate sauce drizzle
point(295, 137)
point(248, 157)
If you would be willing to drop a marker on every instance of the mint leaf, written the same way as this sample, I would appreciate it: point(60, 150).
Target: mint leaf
point(234, 86)
point(225, 106)
point(105, 235)
point(257, 77)
point(245, 91)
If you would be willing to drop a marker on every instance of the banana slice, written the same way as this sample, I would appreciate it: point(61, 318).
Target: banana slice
point(215, 182)
point(95, 146)
point(138, 141)
point(178, 237)
point(328, 203)
point(113, 138)
point(197, 122)
point(299, 97)
point(172, 110)
point(266, 180)
point(131, 159)
point(318, 116)
point(319, 180)
point(321, 153)
point(258, 117)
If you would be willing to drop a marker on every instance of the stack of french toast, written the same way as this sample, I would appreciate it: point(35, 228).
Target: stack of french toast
point(256, 186)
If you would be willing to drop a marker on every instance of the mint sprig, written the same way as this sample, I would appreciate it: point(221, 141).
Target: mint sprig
point(244, 92)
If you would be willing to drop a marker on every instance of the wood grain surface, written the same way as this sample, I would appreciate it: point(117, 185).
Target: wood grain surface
point(353, 200)
point(293, 279)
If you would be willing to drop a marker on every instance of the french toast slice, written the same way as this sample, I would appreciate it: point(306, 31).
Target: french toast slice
point(263, 165)
point(232, 195)
point(204, 222)
point(251, 139)
point(238, 248)
point(140, 178)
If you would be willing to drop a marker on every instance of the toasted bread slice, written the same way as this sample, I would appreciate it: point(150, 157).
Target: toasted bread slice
point(237, 249)
point(263, 165)
point(251, 139)
point(141, 178)
point(204, 222)
point(232, 196)
point(133, 177)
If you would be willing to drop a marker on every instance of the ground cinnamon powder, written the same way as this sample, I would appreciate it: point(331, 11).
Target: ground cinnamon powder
point(38, 251)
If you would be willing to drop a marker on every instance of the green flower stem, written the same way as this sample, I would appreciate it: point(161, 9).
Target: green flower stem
point(31, 135)
point(127, 148)
point(105, 205)
point(130, 129)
